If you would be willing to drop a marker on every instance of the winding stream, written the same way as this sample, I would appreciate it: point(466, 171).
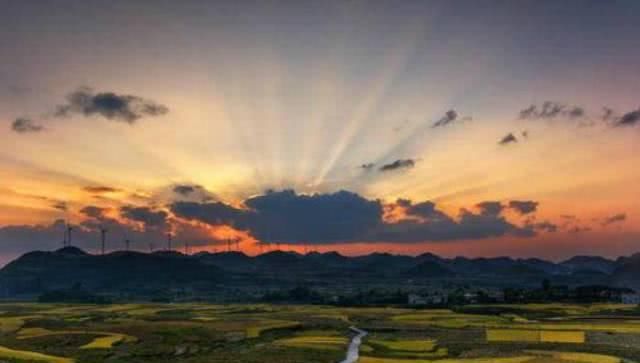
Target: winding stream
point(353, 353)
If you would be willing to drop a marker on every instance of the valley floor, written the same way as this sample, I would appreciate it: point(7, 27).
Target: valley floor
point(535, 333)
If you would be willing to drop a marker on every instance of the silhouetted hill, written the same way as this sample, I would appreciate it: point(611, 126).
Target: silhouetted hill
point(429, 269)
point(136, 273)
point(627, 272)
point(594, 263)
point(39, 271)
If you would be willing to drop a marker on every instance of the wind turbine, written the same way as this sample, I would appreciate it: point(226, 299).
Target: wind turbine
point(64, 238)
point(103, 237)
point(169, 241)
point(69, 229)
point(127, 244)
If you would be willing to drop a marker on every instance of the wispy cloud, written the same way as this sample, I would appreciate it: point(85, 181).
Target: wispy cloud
point(398, 164)
point(23, 125)
point(112, 106)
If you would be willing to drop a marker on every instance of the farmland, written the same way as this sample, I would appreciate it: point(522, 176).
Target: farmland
point(194, 332)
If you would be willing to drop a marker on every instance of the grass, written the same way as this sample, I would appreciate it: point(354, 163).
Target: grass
point(29, 356)
point(106, 341)
point(265, 325)
point(425, 345)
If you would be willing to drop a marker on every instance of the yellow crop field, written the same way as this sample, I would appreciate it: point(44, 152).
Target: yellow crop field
point(512, 335)
point(575, 357)
point(11, 324)
point(520, 359)
point(315, 342)
point(107, 341)
point(31, 356)
point(534, 336)
point(562, 336)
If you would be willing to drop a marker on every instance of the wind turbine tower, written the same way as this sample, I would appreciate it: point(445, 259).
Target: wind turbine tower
point(69, 229)
point(103, 238)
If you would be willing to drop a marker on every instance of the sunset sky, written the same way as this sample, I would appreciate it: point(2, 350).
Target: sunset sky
point(454, 127)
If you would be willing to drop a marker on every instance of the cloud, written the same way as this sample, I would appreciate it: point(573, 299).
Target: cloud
point(398, 164)
point(286, 216)
point(630, 118)
point(112, 106)
point(449, 117)
point(192, 192)
point(100, 189)
point(93, 212)
point(149, 217)
point(508, 139)
point(424, 222)
point(616, 218)
point(23, 125)
point(347, 217)
point(545, 226)
point(184, 190)
point(551, 110)
point(608, 114)
point(579, 229)
point(60, 206)
point(367, 166)
point(523, 206)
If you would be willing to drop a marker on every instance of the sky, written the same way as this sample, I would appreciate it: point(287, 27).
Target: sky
point(474, 128)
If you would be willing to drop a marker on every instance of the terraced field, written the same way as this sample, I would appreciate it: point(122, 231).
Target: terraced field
point(195, 333)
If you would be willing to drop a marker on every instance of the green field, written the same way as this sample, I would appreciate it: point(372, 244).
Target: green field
point(194, 333)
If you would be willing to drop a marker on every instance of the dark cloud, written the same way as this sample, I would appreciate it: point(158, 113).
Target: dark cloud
point(151, 218)
point(523, 206)
point(432, 224)
point(576, 112)
point(508, 139)
point(112, 106)
point(616, 218)
point(60, 206)
point(191, 192)
point(23, 125)
point(398, 164)
point(185, 189)
point(93, 212)
point(628, 119)
point(551, 110)
point(368, 166)
point(449, 117)
point(285, 216)
point(100, 189)
point(347, 217)
point(490, 208)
